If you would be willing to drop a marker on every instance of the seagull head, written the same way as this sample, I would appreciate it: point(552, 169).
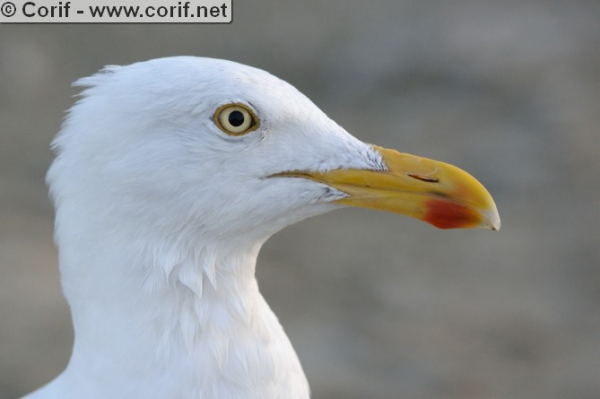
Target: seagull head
point(215, 150)
point(169, 175)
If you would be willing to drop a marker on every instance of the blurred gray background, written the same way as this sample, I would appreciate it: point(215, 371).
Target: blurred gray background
point(377, 305)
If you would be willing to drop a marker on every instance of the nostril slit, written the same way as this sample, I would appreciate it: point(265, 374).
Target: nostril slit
point(426, 179)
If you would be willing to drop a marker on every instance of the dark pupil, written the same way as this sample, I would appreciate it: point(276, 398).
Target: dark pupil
point(236, 118)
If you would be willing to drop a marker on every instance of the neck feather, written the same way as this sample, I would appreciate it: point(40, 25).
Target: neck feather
point(141, 310)
point(173, 292)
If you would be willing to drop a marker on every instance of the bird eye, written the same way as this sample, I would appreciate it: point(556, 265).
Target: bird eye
point(235, 119)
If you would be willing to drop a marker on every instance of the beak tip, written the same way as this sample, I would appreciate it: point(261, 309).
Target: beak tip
point(493, 221)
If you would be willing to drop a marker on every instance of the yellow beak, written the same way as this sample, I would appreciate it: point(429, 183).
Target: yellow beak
point(432, 191)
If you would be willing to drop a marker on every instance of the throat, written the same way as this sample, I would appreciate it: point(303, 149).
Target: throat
point(198, 318)
point(208, 296)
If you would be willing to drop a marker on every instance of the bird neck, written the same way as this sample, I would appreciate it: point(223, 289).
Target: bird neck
point(172, 293)
point(191, 312)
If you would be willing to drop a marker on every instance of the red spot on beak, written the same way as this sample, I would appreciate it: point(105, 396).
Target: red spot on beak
point(450, 215)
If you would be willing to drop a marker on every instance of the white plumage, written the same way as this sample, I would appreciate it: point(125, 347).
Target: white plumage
point(161, 212)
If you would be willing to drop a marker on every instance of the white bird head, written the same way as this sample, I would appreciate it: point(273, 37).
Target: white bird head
point(214, 149)
point(170, 174)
